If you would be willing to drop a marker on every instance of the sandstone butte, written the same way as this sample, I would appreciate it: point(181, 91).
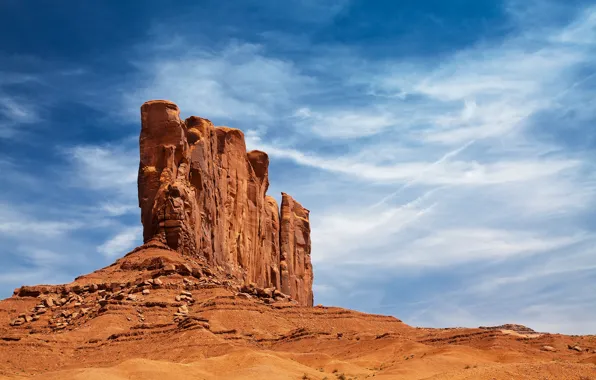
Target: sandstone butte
point(203, 195)
point(222, 289)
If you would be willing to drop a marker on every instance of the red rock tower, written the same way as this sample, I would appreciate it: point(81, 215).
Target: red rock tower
point(203, 195)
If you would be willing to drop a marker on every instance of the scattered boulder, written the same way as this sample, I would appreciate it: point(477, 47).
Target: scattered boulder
point(574, 348)
point(196, 273)
point(17, 322)
point(184, 269)
point(548, 348)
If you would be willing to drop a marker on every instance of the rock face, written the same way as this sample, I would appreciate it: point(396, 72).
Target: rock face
point(203, 195)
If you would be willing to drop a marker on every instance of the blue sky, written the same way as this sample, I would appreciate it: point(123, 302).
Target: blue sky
point(446, 149)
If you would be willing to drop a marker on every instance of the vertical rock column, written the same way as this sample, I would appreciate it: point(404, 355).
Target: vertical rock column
point(295, 263)
point(166, 201)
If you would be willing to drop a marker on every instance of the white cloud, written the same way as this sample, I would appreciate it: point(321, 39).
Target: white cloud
point(237, 82)
point(15, 112)
point(105, 167)
point(345, 123)
point(15, 222)
point(122, 242)
point(441, 172)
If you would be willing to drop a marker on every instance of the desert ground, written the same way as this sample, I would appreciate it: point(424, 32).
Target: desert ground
point(155, 314)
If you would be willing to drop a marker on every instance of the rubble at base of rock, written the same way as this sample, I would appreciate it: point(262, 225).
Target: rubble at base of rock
point(64, 307)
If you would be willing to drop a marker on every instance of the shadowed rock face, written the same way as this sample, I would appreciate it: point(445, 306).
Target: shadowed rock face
point(203, 195)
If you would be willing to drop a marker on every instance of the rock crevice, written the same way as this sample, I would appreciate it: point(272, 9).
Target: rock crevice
point(202, 194)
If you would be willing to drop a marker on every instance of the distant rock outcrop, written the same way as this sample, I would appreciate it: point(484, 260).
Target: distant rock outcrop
point(203, 195)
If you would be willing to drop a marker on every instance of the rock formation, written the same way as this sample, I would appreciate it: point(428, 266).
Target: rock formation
point(203, 195)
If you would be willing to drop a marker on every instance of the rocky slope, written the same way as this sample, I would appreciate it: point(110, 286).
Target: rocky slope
point(159, 314)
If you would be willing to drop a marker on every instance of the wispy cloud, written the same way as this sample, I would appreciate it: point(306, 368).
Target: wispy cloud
point(122, 242)
point(105, 167)
point(237, 82)
point(15, 112)
point(14, 222)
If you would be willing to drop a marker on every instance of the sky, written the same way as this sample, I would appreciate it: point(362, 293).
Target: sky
point(446, 149)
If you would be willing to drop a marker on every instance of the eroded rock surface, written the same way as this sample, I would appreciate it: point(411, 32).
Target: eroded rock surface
point(203, 195)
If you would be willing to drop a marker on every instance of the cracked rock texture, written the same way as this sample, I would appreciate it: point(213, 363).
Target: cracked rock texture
point(203, 195)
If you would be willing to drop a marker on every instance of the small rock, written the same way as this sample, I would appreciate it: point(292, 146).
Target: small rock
point(131, 297)
point(119, 296)
point(196, 273)
point(169, 269)
point(183, 309)
point(17, 322)
point(28, 318)
point(74, 315)
point(185, 293)
point(157, 282)
point(146, 292)
point(548, 348)
point(49, 302)
point(187, 281)
point(41, 311)
point(78, 304)
point(184, 269)
point(243, 295)
point(35, 318)
point(575, 348)
point(101, 293)
point(93, 288)
point(178, 298)
point(103, 302)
